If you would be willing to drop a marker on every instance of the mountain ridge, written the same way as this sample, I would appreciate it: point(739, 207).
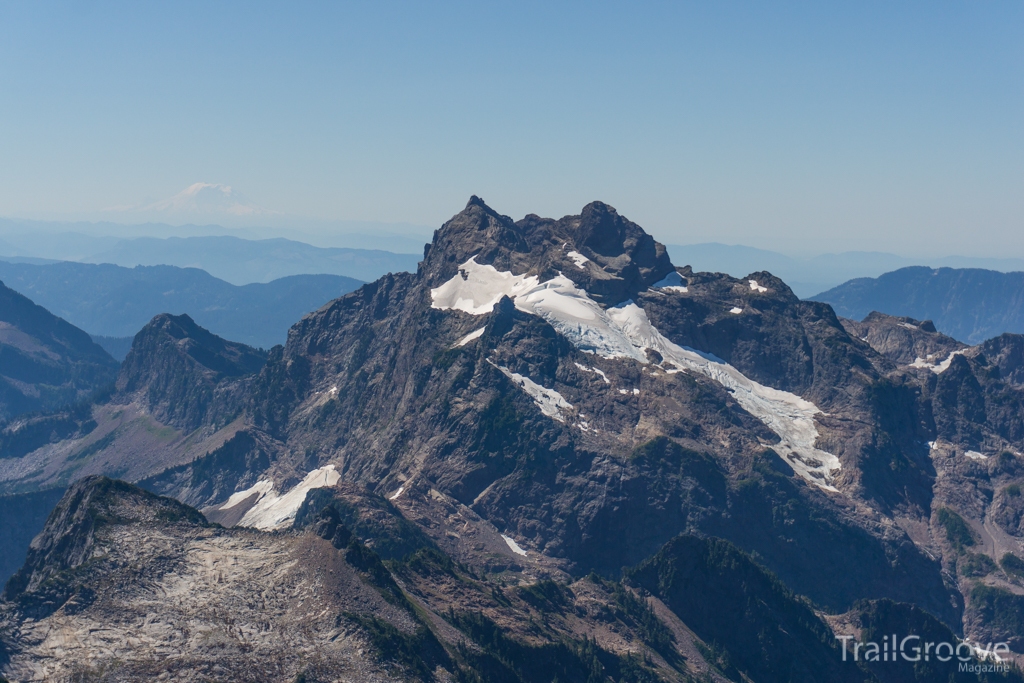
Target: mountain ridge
point(969, 304)
point(546, 398)
point(113, 301)
point(45, 361)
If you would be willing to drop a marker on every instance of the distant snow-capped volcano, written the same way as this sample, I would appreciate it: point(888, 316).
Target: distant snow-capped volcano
point(213, 202)
point(208, 198)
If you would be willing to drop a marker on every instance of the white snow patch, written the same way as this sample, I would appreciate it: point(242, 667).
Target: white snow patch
point(932, 446)
point(975, 455)
point(944, 365)
point(273, 511)
point(513, 546)
point(786, 414)
point(909, 326)
point(937, 368)
point(578, 318)
point(549, 401)
point(262, 487)
point(756, 287)
point(569, 310)
point(477, 288)
point(475, 334)
point(579, 259)
point(396, 494)
point(673, 282)
point(584, 368)
point(736, 309)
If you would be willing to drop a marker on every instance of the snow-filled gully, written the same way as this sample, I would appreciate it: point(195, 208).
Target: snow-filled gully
point(624, 331)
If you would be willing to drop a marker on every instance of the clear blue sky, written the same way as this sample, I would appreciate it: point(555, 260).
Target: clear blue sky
point(868, 125)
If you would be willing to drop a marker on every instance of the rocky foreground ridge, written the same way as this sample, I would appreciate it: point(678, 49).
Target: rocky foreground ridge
point(123, 585)
point(546, 400)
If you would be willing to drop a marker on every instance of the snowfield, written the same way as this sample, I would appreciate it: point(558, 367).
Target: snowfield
point(578, 258)
point(672, 282)
point(937, 368)
point(513, 546)
point(550, 402)
point(274, 511)
point(477, 288)
point(624, 331)
point(475, 334)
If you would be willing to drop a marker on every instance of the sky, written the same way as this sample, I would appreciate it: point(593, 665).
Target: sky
point(797, 127)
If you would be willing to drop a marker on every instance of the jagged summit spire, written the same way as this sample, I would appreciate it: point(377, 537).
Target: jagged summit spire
point(605, 253)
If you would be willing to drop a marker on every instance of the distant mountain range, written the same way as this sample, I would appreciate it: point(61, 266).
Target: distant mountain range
point(242, 261)
point(80, 240)
point(810, 276)
point(113, 301)
point(236, 260)
point(45, 363)
point(549, 452)
point(969, 304)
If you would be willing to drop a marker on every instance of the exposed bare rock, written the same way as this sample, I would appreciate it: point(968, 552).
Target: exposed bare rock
point(903, 340)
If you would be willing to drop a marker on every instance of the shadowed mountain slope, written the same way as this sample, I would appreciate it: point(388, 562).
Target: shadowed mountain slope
point(968, 304)
point(45, 362)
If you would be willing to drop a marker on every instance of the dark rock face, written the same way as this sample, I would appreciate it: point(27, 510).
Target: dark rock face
point(968, 304)
point(45, 362)
point(1006, 352)
point(711, 585)
point(184, 373)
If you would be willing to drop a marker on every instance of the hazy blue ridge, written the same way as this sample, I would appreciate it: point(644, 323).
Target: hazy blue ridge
point(113, 301)
point(969, 304)
point(808, 277)
point(242, 261)
point(235, 259)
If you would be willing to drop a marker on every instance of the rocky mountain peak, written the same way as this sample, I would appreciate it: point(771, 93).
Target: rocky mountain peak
point(478, 230)
point(178, 369)
point(69, 539)
point(604, 253)
point(904, 340)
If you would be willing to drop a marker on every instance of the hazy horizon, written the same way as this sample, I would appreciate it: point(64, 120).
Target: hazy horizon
point(797, 128)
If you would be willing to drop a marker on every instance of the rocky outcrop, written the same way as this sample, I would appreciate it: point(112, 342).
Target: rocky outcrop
point(903, 340)
point(130, 586)
point(184, 375)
